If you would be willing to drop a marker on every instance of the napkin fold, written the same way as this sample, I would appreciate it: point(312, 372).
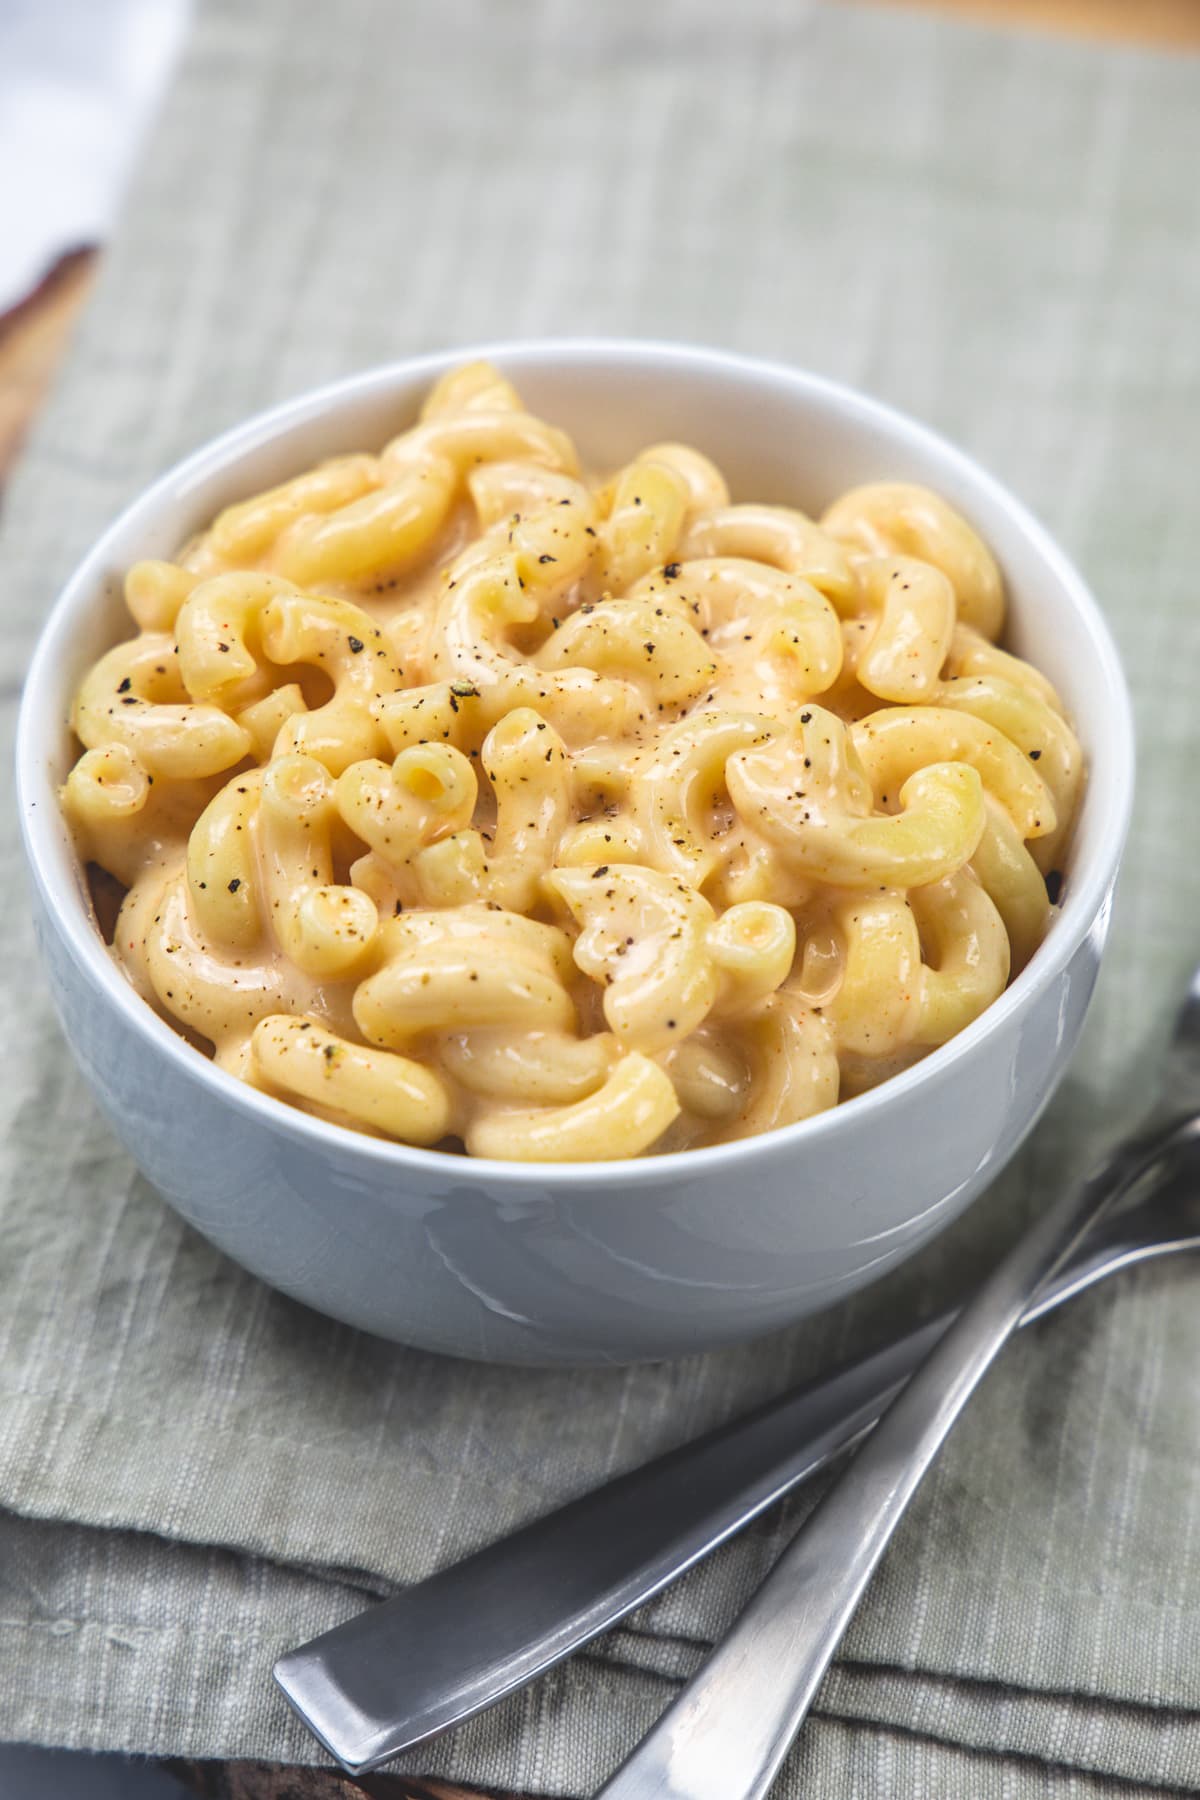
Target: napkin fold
point(995, 231)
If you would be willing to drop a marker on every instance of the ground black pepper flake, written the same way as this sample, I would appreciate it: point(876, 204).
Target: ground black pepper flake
point(356, 644)
point(125, 686)
point(1033, 755)
point(235, 884)
point(602, 870)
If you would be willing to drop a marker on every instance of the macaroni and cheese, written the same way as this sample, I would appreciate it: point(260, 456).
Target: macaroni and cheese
point(465, 800)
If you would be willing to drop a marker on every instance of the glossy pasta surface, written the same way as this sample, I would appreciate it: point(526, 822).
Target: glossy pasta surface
point(465, 800)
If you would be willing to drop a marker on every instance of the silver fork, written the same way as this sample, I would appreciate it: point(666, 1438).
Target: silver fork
point(454, 1644)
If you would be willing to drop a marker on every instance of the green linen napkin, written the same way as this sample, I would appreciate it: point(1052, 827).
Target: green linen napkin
point(998, 232)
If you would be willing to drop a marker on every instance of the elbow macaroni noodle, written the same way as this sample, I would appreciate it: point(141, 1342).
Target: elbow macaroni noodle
point(464, 802)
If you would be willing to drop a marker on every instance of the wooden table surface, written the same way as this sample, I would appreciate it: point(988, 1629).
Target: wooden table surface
point(33, 338)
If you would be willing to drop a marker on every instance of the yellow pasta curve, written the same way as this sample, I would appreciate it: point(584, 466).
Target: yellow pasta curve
point(467, 797)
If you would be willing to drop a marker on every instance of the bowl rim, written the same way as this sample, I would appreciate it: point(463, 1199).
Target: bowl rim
point(1085, 902)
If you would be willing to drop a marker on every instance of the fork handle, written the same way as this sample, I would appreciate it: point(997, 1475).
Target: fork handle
point(447, 1647)
point(726, 1734)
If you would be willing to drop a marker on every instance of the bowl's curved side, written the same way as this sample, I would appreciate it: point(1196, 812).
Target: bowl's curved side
point(588, 1262)
point(526, 1273)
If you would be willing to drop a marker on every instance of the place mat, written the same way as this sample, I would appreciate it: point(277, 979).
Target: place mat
point(1003, 235)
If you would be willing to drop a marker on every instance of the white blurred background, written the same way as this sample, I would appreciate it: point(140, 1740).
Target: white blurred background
point(79, 83)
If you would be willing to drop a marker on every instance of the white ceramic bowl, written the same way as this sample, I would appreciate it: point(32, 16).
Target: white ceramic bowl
point(591, 1262)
